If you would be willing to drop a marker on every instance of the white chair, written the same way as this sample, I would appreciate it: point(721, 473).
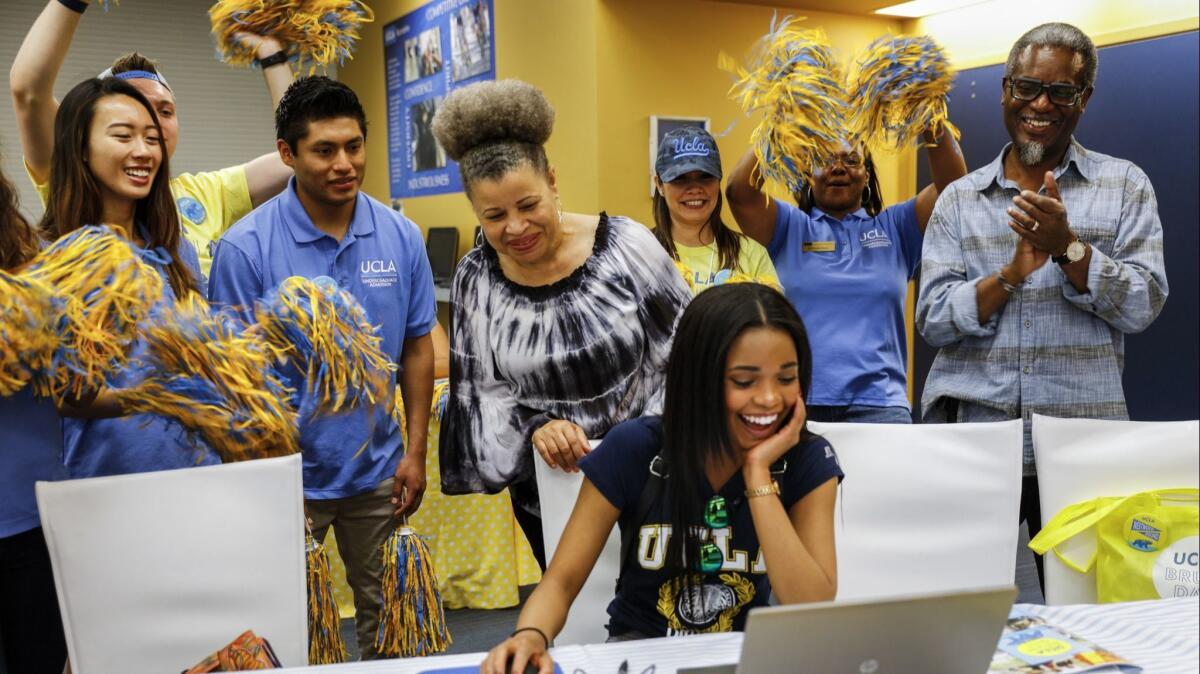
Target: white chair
point(1081, 459)
point(557, 491)
point(156, 571)
point(925, 508)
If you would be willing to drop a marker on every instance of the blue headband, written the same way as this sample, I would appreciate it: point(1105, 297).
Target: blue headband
point(136, 75)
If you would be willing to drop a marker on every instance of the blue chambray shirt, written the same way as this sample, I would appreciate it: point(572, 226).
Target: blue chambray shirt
point(1050, 349)
point(381, 261)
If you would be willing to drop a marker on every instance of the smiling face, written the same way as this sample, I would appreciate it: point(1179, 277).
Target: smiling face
point(124, 148)
point(518, 213)
point(163, 102)
point(1040, 130)
point(761, 385)
point(838, 188)
point(691, 198)
point(330, 160)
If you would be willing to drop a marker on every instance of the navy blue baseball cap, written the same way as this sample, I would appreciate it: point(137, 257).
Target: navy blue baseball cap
point(687, 149)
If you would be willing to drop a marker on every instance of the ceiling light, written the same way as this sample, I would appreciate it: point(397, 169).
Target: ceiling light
point(918, 8)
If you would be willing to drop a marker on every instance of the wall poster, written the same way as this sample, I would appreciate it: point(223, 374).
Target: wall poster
point(444, 45)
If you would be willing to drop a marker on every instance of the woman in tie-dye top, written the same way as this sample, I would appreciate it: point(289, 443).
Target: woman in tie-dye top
point(561, 322)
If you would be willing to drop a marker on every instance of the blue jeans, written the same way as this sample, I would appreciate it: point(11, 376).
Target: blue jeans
point(859, 414)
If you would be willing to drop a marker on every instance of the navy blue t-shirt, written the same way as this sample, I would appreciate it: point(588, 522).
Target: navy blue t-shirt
point(648, 601)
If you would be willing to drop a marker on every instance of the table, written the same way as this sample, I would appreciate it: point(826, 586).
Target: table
point(1162, 636)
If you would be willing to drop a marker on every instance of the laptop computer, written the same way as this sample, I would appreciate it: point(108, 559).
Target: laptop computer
point(948, 633)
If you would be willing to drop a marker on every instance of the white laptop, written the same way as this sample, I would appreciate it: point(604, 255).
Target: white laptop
point(948, 633)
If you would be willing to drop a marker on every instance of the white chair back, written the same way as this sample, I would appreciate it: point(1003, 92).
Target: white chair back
point(156, 571)
point(925, 508)
point(557, 491)
point(1081, 459)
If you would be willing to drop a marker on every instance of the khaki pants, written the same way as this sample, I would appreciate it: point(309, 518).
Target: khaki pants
point(362, 524)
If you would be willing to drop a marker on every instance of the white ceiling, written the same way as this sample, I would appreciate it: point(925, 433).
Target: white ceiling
point(839, 6)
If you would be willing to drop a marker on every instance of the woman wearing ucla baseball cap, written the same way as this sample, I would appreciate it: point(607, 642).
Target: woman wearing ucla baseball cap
point(687, 215)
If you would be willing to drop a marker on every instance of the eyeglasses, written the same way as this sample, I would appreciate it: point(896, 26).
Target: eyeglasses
point(1028, 89)
point(716, 516)
point(850, 161)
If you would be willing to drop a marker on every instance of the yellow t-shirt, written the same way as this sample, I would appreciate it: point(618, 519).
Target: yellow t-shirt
point(703, 264)
point(208, 203)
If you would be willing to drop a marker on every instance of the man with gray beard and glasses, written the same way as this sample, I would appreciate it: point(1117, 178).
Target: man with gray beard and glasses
point(1035, 266)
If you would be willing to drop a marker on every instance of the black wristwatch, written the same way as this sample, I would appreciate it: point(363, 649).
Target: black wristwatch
point(272, 60)
point(1074, 253)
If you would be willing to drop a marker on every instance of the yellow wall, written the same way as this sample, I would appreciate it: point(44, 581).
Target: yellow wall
point(606, 66)
point(659, 58)
point(550, 43)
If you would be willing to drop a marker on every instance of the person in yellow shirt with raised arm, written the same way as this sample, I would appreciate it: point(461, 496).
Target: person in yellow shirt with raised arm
point(209, 202)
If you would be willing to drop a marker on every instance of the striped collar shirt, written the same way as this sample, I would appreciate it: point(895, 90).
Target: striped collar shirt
point(1051, 349)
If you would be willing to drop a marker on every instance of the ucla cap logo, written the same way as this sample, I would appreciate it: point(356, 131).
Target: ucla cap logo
point(690, 147)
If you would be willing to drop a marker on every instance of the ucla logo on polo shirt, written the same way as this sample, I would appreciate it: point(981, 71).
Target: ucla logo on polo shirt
point(874, 238)
point(690, 147)
point(191, 209)
point(378, 273)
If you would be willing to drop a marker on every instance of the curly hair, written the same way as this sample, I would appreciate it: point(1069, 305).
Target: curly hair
point(491, 128)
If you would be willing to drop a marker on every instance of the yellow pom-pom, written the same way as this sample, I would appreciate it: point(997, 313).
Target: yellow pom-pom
point(413, 622)
point(29, 317)
point(898, 89)
point(325, 645)
point(326, 334)
point(205, 371)
point(793, 78)
point(106, 292)
point(317, 32)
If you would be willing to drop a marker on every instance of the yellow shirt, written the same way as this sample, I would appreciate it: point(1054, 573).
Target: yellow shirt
point(208, 203)
point(703, 265)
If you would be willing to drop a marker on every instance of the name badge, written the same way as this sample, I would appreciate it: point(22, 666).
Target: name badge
point(819, 246)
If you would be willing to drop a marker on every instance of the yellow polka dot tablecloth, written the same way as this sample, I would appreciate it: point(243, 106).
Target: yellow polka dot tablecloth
point(479, 552)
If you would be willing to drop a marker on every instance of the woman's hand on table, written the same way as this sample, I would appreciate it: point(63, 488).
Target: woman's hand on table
point(561, 444)
point(517, 651)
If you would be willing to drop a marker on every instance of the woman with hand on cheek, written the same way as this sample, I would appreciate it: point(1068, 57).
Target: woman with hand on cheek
point(740, 495)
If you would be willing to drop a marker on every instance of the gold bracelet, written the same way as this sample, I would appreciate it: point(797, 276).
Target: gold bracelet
point(765, 490)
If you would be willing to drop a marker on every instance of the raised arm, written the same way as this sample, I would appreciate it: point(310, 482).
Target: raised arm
point(267, 175)
point(753, 210)
point(946, 164)
point(31, 81)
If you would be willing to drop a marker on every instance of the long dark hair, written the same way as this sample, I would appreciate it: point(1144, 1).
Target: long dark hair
point(75, 197)
point(872, 198)
point(694, 416)
point(19, 241)
point(729, 242)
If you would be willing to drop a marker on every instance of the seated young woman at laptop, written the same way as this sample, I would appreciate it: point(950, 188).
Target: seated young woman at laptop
point(730, 462)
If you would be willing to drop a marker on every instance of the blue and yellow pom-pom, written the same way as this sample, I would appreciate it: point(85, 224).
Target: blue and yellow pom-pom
point(217, 380)
point(316, 32)
point(30, 313)
point(326, 335)
point(105, 291)
point(413, 620)
point(793, 77)
point(898, 88)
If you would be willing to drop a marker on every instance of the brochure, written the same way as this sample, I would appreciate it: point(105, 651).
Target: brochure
point(1031, 646)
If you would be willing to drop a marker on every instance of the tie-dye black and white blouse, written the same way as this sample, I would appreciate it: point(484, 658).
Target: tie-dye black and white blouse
point(591, 348)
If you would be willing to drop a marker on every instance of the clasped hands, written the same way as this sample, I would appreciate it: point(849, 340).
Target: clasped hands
point(1040, 220)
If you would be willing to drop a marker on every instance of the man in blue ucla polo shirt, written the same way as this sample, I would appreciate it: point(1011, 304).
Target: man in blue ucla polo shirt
point(323, 226)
